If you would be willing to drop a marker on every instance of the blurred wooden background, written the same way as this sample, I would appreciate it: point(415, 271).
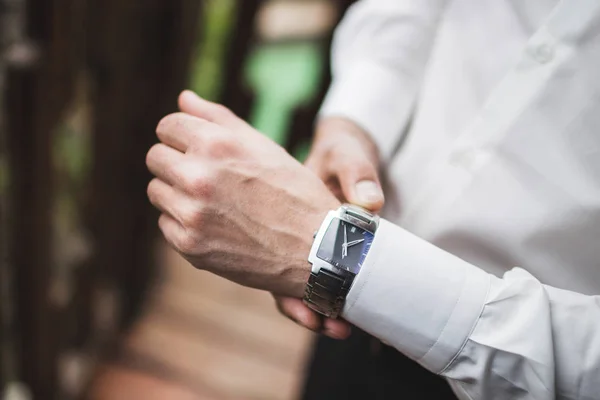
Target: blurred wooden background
point(91, 303)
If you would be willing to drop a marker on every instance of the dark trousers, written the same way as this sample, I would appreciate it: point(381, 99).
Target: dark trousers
point(361, 367)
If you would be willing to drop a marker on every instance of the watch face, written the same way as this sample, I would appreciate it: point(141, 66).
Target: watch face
point(345, 245)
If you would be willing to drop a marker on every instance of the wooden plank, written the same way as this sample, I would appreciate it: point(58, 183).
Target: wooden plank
point(209, 335)
point(258, 334)
point(197, 356)
point(120, 383)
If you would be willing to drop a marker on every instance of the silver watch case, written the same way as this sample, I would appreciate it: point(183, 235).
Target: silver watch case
point(351, 214)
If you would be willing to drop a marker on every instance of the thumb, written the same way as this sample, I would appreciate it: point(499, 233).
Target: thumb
point(360, 185)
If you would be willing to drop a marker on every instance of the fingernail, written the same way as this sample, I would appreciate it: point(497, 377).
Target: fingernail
point(368, 192)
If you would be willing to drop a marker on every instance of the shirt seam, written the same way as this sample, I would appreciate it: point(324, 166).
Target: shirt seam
point(464, 389)
point(443, 329)
point(453, 359)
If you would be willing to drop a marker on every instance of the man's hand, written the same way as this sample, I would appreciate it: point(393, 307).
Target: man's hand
point(346, 159)
point(233, 202)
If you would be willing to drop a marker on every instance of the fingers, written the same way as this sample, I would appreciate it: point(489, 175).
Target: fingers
point(366, 193)
point(345, 157)
point(191, 103)
point(336, 328)
point(171, 229)
point(180, 130)
point(360, 184)
point(161, 160)
point(168, 200)
point(298, 312)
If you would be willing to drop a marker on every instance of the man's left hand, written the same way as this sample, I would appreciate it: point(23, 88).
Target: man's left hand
point(234, 202)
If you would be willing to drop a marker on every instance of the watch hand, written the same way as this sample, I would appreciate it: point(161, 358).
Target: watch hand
point(352, 243)
point(345, 244)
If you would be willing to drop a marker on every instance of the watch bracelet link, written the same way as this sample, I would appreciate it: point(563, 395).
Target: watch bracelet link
point(326, 290)
point(359, 213)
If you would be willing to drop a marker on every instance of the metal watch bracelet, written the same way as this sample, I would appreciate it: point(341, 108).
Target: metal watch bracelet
point(328, 286)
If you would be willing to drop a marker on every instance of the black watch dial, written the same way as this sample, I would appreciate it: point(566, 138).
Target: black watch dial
point(345, 245)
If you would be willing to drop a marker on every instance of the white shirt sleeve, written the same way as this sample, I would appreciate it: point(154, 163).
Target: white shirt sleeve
point(379, 53)
point(509, 338)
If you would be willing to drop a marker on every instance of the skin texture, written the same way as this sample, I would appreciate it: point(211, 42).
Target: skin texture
point(208, 157)
point(346, 159)
point(233, 202)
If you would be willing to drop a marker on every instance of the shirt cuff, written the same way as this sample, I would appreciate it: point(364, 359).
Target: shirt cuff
point(376, 99)
point(416, 297)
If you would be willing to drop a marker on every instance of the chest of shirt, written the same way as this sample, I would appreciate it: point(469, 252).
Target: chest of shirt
point(520, 183)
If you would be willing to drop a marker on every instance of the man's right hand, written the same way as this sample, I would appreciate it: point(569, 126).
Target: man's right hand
point(346, 159)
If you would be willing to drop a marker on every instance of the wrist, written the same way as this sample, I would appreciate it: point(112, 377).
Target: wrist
point(297, 275)
point(340, 248)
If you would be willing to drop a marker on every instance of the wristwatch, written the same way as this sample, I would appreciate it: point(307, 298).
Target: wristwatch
point(339, 249)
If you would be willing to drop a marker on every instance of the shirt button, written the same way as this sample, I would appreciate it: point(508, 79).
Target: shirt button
point(544, 53)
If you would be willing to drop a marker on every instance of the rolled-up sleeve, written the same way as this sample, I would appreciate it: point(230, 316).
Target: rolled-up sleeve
point(379, 54)
point(493, 338)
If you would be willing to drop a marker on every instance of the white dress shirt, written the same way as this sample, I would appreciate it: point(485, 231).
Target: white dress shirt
point(487, 115)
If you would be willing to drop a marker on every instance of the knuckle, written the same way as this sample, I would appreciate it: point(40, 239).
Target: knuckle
point(196, 182)
point(186, 243)
point(167, 122)
point(173, 122)
point(152, 154)
point(192, 217)
point(162, 225)
point(151, 191)
point(201, 185)
point(219, 145)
